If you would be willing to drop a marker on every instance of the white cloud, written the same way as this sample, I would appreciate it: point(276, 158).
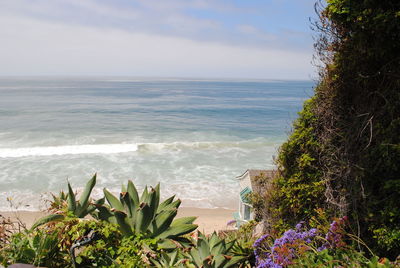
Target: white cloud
point(176, 5)
point(253, 31)
point(71, 11)
point(32, 47)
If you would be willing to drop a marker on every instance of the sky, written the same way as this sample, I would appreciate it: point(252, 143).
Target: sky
point(260, 39)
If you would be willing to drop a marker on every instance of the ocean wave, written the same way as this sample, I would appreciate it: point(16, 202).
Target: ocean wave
point(68, 150)
point(123, 148)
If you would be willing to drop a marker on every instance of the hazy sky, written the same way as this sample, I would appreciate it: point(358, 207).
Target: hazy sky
point(172, 38)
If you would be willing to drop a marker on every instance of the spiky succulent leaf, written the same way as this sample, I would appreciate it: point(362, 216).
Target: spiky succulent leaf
point(175, 231)
point(173, 258)
point(213, 240)
point(219, 248)
point(195, 256)
point(113, 201)
point(104, 213)
point(152, 202)
point(201, 235)
point(168, 260)
point(144, 216)
point(144, 196)
point(156, 201)
point(204, 249)
point(183, 220)
point(158, 263)
point(87, 191)
point(167, 244)
point(100, 202)
point(46, 219)
point(173, 205)
point(62, 195)
point(128, 204)
point(165, 203)
point(93, 208)
point(234, 261)
point(90, 209)
point(162, 221)
point(229, 245)
point(81, 210)
point(184, 242)
point(221, 260)
point(133, 193)
point(123, 223)
point(71, 199)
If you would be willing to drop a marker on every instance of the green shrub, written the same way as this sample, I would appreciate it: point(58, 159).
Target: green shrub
point(99, 253)
point(340, 258)
point(38, 247)
point(344, 152)
point(298, 189)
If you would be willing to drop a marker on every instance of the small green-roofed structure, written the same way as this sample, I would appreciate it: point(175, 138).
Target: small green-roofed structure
point(249, 183)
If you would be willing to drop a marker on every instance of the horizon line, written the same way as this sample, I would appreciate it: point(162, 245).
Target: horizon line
point(160, 78)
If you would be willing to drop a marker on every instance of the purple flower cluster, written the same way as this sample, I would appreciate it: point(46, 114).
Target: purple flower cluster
point(295, 242)
point(284, 249)
point(334, 236)
point(261, 247)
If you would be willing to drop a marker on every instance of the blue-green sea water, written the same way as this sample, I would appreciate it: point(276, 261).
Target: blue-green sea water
point(192, 136)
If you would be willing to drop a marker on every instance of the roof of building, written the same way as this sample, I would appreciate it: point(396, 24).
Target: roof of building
point(254, 175)
point(256, 172)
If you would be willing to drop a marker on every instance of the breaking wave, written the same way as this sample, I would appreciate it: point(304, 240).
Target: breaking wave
point(121, 148)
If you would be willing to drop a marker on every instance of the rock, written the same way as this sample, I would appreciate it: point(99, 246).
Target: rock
point(258, 230)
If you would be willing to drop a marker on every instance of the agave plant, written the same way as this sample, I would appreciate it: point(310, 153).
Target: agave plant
point(169, 260)
point(213, 252)
point(145, 215)
point(79, 209)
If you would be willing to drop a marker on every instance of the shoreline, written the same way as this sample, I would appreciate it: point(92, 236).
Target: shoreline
point(208, 219)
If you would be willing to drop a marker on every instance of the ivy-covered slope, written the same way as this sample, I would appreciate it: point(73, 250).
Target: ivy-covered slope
point(344, 153)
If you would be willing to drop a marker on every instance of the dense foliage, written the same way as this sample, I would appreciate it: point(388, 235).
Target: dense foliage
point(314, 247)
point(344, 153)
point(130, 231)
point(321, 245)
point(298, 189)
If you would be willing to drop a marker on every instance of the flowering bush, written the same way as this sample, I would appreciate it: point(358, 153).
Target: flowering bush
point(294, 243)
point(284, 249)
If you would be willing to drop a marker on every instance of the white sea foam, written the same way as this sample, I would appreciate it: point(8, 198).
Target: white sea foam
point(120, 148)
point(201, 174)
point(68, 149)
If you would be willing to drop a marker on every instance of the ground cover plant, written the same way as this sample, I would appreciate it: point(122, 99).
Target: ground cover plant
point(129, 231)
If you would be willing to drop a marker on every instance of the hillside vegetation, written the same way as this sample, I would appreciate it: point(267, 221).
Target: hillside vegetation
point(343, 156)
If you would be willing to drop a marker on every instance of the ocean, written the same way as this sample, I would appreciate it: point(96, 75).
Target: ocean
point(194, 136)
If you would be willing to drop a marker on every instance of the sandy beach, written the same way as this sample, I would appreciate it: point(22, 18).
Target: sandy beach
point(209, 220)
